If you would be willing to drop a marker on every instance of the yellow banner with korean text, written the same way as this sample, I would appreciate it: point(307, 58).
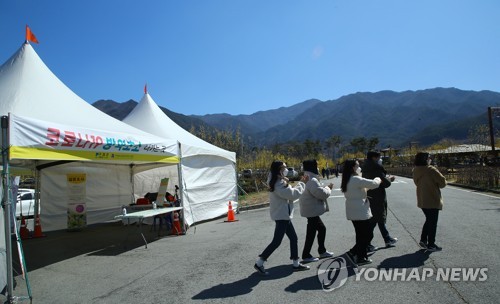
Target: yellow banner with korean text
point(37, 139)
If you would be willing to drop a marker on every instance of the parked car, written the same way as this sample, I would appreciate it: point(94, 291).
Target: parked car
point(25, 203)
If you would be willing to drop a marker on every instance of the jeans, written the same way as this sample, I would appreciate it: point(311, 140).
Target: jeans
point(364, 235)
point(282, 227)
point(314, 224)
point(430, 226)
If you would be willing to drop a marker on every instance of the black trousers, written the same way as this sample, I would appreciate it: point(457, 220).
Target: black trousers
point(364, 235)
point(379, 211)
point(282, 227)
point(314, 224)
point(430, 226)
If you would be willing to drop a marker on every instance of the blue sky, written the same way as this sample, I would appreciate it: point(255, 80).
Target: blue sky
point(242, 56)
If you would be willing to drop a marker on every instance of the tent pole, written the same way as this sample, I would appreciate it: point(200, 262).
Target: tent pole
point(37, 190)
point(132, 182)
point(237, 192)
point(6, 203)
point(181, 187)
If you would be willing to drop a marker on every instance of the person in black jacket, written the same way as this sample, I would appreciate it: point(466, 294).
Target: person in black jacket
point(378, 198)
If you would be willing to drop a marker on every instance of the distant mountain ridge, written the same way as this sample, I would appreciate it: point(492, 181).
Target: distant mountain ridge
point(258, 121)
point(394, 117)
point(121, 110)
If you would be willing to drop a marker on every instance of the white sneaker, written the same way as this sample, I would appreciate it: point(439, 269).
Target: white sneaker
point(310, 260)
point(326, 254)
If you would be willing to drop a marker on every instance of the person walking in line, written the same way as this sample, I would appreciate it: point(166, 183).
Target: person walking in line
point(357, 208)
point(313, 204)
point(372, 168)
point(429, 181)
point(281, 198)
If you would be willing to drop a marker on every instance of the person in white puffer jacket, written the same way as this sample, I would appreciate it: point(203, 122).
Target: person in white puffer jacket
point(313, 204)
point(281, 198)
point(357, 208)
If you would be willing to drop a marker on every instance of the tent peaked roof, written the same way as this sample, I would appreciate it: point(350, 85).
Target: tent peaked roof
point(148, 116)
point(29, 88)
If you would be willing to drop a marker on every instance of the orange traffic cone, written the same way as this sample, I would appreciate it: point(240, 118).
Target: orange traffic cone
point(38, 228)
point(176, 227)
point(24, 231)
point(230, 213)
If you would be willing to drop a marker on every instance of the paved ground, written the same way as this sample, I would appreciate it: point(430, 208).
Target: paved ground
point(213, 262)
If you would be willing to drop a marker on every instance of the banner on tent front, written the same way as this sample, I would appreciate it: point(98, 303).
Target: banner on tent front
point(37, 139)
point(77, 193)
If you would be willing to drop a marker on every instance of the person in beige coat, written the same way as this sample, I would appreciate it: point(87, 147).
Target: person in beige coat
point(429, 181)
point(313, 204)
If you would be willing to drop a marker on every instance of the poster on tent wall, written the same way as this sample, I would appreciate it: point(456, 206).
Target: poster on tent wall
point(160, 199)
point(77, 209)
point(37, 139)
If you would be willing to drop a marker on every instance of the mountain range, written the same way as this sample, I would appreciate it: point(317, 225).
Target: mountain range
point(395, 118)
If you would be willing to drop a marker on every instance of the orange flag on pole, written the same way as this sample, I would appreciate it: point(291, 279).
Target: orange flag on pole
point(146, 88)
point(30, 36)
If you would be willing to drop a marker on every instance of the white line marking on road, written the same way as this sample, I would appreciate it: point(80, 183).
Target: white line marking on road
point(399, 182)
point(473, 192)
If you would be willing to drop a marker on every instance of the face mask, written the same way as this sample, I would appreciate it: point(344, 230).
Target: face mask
point(380, 161)
point(285, 172)
point(358, 171)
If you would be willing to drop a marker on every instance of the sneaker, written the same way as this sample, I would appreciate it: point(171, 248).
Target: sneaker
point(371, 248)
point(422, 245)
point(363, 261)
point(301, 267)
point(433, 248)
point(326, 254)
point(310, 260)
point(391, 242)
point(260, 269)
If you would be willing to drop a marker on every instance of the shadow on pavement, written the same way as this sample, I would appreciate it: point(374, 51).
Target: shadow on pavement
point(313, 282)
point(109, 239)
point(243, 286)
point(409, 260)
point(309, 283)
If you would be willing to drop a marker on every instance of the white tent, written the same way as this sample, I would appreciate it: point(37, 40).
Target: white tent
point(208, 173)
point(49, 123)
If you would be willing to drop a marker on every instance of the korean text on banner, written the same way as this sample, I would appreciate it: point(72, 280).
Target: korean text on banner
point(36, 139)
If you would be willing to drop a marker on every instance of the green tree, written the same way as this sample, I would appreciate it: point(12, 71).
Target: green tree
point(358, 144)
point(372, 143)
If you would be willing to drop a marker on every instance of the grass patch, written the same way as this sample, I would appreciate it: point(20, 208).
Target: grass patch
point(254, 198)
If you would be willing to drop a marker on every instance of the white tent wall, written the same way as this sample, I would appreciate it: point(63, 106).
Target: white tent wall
point(149, 181)
point(108, 188)
point(208, 186)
